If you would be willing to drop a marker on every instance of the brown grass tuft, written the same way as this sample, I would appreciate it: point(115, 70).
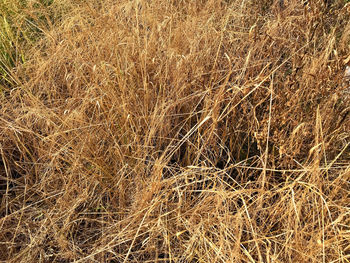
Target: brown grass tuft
point(179, 131)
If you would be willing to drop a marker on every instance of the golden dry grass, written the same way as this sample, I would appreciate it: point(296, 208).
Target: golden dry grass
point(179, 131)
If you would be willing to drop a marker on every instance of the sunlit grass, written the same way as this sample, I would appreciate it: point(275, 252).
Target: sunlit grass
point(174, 131)
point(22, 24)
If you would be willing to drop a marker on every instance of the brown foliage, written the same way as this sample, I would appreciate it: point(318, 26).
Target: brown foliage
point(180, 131)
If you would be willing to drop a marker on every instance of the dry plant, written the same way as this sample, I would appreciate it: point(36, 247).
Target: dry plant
point(179, 131)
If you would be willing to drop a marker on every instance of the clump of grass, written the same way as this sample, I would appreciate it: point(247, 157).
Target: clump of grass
point(179, 131)
point(22, 24)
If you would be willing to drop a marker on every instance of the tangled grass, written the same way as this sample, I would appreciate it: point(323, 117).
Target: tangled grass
point(176, 131)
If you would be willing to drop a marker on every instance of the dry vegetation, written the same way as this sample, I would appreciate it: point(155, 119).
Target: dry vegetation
point(174, 131)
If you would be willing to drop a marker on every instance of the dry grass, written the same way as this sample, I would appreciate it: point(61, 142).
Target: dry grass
point(179, 131)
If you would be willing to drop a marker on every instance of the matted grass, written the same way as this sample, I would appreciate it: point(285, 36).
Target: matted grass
point(178, 131)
